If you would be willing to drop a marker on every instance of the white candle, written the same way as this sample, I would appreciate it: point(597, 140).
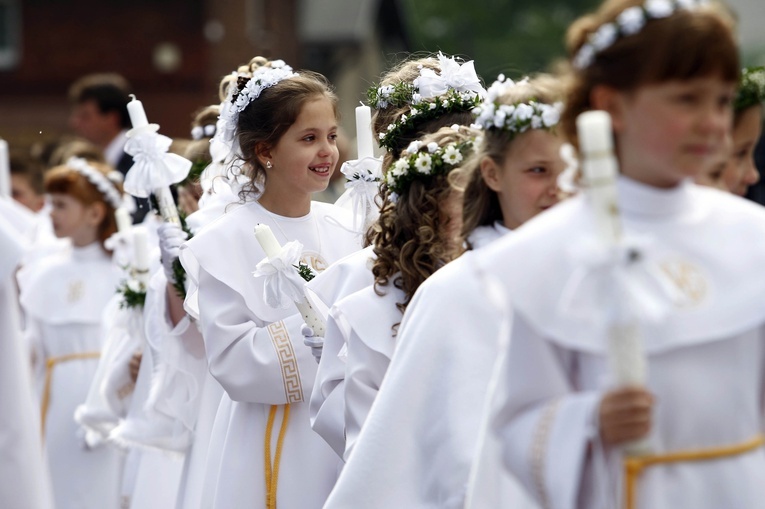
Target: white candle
point(600, 170)
point(124, 223)
point(141, 249)
point(5, 170)
point(267, 241)
point(137, 113)
point(364, 138)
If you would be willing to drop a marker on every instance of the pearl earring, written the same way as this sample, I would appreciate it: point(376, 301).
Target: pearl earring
point(269, 165)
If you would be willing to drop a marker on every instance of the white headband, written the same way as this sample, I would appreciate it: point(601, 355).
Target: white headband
point(105, 184)
point(629, 22)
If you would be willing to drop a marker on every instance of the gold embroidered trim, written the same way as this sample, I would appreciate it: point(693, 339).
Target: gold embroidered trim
point(539, 448)
point(280, 337)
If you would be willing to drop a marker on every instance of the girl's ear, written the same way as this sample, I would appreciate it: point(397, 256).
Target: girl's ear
point(95, 213)
point(263, 154)
point(603, 97)
point(491, 173)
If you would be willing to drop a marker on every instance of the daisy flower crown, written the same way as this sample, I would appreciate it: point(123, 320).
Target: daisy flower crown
point(456, 89)
point(751, 90)
point(420, 162)
point(629, 22)
point(240, 96)
point(515, 118)
point(105, 184)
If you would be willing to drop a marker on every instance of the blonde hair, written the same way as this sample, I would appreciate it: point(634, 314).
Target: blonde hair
point(682, 46)
point(480, 203)
point(409, 237)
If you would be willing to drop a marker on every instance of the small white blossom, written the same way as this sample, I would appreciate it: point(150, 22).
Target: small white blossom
point(605, 36)
point(416, 98)
point(423, 163)
point(551, 114)
point(452, 155)
point(536, 122)
point(631, 20)
point(432, 105)
point(391, 127)
point(659, 8)
point(523, 112)
point(432, 147)
point(401, 166)
point(585, 56)
point(414, 147)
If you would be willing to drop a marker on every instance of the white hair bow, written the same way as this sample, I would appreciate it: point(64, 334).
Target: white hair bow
point(461, 78)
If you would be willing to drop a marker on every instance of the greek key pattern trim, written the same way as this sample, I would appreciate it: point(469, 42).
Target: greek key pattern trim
point(280, 337)
point(539, 450)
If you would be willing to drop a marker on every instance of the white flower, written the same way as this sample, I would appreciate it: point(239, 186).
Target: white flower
point(433, 106)
point(686, 4)
point(403, 118)
point(391, 127)
point(551, 114)
point(536, 122)
point(416, 98)
point(381, 136)
point(659, 8)
point(455, 127)
point(390, 179)
point(400, 167)
point(423, 163)
point(414, 147)
point(452, 155)
point(499, 118)
point(631, 20)
point(134, 286)
point(585, 56)
point(197, 132)
point(523, 112)
point(432, 146)
point(605, 36)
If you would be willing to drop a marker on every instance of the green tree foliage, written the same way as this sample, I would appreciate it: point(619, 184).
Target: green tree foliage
point(515, 37)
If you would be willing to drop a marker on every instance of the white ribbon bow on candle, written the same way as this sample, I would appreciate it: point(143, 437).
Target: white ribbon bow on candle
point(651, 294)
point(153, 166)
point(283, 286)
point(362, 186)
point(461, 78)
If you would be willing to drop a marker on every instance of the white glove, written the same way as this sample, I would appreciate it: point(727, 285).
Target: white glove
point(316, 343)
point(171, 236)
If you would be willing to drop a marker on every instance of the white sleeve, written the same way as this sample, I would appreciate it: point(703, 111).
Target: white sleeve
point(546, 426)
point(254, 362)
point(327, 408)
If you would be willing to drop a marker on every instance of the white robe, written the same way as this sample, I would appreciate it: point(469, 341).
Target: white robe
point(63, 296)
point(341, 279)
point(23, 478)
point(257, 354)
point(706, 360)
point(421, 433)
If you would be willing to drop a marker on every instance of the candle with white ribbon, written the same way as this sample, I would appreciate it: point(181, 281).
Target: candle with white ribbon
point(272, 248)
point(137, 113)
point(124, 223)
point(627, 357)
point(364, 137)
point(141, 254)
point(5, 170)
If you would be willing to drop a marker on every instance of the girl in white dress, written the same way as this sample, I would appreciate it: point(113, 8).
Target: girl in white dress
point(511, 178)
point(284, 124)
point(411, 112)
point(63, 296)
point(666, 73)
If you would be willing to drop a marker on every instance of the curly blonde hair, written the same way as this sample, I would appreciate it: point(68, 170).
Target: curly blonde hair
point(410, 237)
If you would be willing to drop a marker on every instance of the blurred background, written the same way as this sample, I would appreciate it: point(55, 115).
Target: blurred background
point(174, 52)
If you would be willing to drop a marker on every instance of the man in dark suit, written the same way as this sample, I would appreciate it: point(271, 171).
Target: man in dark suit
point(99, 114)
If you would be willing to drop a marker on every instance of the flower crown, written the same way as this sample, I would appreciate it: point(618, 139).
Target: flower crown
point(239, 97)
point(420, 161)
point(629, 22)
point(104, 183)
point(198, 132)
point(751, 90)
point(515, 118)
point(457, 88)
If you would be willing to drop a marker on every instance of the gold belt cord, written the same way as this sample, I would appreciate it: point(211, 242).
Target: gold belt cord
point(634, 466)
point(51, 363)
point(272, 472)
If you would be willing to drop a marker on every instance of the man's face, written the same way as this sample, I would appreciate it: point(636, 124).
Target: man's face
point(88, 121)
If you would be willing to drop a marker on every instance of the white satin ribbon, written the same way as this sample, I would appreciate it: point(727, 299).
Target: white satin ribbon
point(461, 78)
point(362, 187)
point(623, 271)
point(153, 166)
point(283, 286)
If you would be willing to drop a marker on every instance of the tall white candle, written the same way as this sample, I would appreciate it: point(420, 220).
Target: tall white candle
point(124, 223)
point(137, 113)
point(5, 170)
point(364, 138)
point(267, 241)
point(141, 248)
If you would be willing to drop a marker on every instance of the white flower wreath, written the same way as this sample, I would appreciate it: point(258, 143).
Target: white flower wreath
point(104, 184)
point(629, 22)
point(515, 118)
